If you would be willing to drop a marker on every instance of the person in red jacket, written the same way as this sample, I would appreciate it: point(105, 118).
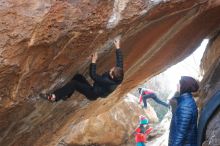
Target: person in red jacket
point(141, 132)
point(146, 94)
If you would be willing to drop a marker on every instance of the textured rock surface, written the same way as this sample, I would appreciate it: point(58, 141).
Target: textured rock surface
point(44, 43)
point(160, 133)
point(111, 127)
point(211, 68)
point(213, 131)
point(209, 86)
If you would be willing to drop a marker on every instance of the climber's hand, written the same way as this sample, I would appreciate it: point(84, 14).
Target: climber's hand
point(94, 57)
point(117, 43)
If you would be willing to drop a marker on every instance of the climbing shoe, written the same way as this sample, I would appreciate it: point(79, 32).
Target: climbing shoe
point(49, 97)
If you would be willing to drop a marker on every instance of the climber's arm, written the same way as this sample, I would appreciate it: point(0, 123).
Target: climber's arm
point(119, 57)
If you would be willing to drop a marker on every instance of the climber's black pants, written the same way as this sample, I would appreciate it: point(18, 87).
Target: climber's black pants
point(155, 98)
point(78, 83)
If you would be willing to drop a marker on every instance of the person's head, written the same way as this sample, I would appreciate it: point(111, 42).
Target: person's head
point(116, 73)
point(143, 120)
point(188, 84)
point(142, 117)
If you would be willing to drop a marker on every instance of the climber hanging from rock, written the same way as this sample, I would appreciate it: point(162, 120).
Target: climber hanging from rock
point(146, 94)
point(103, 84)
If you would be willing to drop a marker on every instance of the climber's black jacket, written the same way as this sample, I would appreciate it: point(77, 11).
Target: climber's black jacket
point(104, 84)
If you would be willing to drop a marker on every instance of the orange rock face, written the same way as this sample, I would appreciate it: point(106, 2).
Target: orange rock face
point(44, 43)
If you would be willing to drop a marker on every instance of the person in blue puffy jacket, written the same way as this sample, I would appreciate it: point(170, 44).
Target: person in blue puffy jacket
point(183, 128)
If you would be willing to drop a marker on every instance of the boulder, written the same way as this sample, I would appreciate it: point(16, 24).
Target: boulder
point(43, 44)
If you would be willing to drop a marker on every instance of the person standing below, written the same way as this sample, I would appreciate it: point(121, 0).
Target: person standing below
point(142, 131)
point(183, 128)
point(103, 84)
point(147, 94)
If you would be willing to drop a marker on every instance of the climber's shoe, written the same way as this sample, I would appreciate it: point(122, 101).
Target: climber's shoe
point(49, 97)
point(143, 107)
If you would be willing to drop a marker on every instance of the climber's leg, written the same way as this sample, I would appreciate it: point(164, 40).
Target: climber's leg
point(80, 78)
point(159, 101)
point(145, 97)
point(66, 91)
point(86, 89)
point(78, 83)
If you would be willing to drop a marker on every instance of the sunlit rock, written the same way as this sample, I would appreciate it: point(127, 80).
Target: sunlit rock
point(44, 43)
point(112, 127)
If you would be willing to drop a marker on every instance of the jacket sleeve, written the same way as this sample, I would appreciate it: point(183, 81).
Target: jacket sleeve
point(119, 58)
point(148, 130)
point(97, 78)
point(183, 119)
